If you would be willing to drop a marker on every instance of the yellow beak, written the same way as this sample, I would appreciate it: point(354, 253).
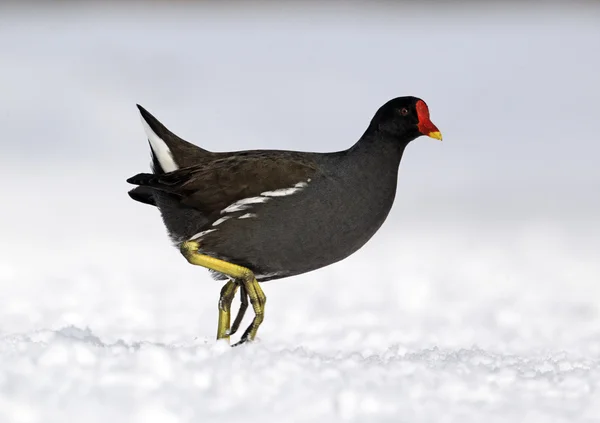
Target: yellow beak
point(437, 135)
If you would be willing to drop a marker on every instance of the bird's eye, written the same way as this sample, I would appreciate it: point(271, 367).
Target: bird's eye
point(404, 111)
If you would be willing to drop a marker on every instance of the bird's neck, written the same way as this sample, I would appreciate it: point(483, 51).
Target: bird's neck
point(379, 147)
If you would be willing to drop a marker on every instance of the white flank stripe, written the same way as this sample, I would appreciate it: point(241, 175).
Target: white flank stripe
point(221, 220)
point(160, 149)
point(280, 192)
point(201, 234)
point(243, 204)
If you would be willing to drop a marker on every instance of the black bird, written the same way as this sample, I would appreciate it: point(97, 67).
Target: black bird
point(258, 215)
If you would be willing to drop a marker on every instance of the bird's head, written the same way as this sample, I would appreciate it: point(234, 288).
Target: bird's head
point(405, 118)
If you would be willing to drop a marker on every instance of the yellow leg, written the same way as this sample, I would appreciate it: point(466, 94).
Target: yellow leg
point(189, 249)
point(241, 311)
point(227, 294)
point(258, 300)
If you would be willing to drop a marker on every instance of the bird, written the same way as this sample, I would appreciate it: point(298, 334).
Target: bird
point(252, 216)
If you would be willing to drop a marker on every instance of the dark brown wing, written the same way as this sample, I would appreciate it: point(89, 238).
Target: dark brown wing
point(218, 181)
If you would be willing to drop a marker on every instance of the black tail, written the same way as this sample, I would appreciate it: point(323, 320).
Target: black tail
point(180, 151)
point(166, 182)
point(144, 179)
point(143, 195)
point(159, 129)
point(174, 151)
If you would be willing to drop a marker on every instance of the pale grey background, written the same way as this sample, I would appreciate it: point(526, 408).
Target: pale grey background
point(514, 91)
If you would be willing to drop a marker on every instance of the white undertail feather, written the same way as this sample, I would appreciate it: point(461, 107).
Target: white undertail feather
point(160, 149)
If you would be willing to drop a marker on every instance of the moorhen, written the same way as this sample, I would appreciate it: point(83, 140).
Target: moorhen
point(258, 215)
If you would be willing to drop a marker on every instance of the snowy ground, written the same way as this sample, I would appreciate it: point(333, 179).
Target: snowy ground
point(478, 301)
point(449, 328)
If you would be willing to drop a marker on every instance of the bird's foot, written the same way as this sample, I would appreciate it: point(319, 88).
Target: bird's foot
point(238, 275)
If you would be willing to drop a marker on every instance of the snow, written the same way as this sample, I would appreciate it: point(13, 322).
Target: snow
point(479, 300)
point(442, 330)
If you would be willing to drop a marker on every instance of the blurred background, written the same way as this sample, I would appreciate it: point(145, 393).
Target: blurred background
point(491, 248)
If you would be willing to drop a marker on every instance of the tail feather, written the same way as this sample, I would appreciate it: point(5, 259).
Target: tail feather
point(169, 151)
point(166, 182)
point(144, 179)
point(143, 195)
point(158, 135)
